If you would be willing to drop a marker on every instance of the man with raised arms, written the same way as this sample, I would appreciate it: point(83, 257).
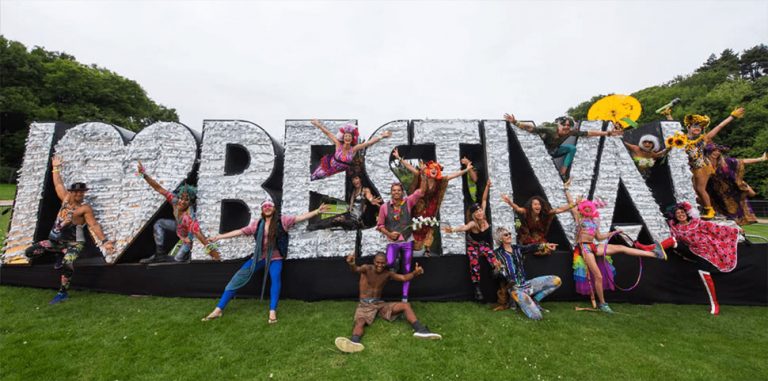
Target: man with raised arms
point(67, 237)
point(372, 280)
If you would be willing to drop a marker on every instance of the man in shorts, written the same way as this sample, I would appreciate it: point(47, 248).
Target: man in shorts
point(372, 280)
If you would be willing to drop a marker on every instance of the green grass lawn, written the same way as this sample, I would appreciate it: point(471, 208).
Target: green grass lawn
point(757, 229)
point(7, 191)
point(98, 336)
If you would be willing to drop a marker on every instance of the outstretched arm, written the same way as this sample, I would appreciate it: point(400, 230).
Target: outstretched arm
point(371, 199)
point(756, 160)
point(571, 205)
point(327, 133)
point(231, 234)
point(58, 183)
point(487, 189)
point(515, 207)
point(351, 263)
point(157, 187)
point(632, 147)
point(472, 172)
point(513, 121)
point(738, 113)
point(373, 141)
point(418, 270)
point(313, 213)
point(605, 133)
point(95, 228)
point(209, 249)
point(405, 163)
point(459, 173)
point(460, 228)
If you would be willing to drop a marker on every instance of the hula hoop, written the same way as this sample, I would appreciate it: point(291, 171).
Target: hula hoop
point(640, 260)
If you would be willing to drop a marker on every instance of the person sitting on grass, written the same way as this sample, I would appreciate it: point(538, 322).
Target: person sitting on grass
point(527, 293)
point(372, 280)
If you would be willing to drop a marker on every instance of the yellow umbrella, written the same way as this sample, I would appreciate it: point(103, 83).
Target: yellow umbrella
point(619, 109)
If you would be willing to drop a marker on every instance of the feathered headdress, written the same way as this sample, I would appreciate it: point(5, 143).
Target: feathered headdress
point(348, 128)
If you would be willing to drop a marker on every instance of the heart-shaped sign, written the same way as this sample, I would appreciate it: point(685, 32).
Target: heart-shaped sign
point(123, 203)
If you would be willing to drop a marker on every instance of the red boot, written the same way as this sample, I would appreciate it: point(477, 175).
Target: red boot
point(709, 284)
point(666, 244)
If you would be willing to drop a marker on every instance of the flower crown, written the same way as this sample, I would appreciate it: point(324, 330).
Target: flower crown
point(348, 128)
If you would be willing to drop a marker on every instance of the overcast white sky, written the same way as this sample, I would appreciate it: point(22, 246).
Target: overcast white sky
point(380, 61)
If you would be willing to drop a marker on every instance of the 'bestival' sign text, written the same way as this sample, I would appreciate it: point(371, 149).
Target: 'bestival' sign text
point(105, 157)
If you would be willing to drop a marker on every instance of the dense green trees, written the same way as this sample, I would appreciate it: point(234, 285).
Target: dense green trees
point(39, 85)
point(715, 89)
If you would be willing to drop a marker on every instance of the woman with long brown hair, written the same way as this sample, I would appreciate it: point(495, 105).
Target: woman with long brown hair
point(536, 217)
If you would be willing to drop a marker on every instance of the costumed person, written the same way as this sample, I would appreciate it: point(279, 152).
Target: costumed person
point(372, 280)
point(395, 223)
point(645, 153)
point(67, 237)
point(271, 235)
point(593, 275)
point(184, 223)
point(716, 244)
point(346, 148)
point(535, 218)
point(694, 148)
point(472, 177)
point(726, 188)
point(352, 219)
point(429, 205)
point(479, 241)
point(527, 293)
point(554, 134)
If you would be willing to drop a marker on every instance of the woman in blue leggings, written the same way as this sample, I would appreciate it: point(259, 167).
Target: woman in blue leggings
point(271, 238)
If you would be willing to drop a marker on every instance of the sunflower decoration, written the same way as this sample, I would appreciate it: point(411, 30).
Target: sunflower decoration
point(678, 140)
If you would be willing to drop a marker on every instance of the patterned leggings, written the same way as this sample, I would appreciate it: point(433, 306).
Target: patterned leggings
point(474, 249)
point(529, 294)
point(69, 249)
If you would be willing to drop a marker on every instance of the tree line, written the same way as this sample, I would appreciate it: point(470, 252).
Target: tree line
point(41, 85)
point(721, 83)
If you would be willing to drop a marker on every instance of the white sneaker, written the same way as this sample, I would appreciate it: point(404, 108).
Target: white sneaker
point(348, 346)
point(426, 334)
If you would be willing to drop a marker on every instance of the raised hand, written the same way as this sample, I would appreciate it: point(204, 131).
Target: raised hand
point(350, 259)
point(56, 160)
point(738, 113)
point(418, 270)
point(396, 154)
point(386, 134)
point(510, 118)
point(506, 198)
